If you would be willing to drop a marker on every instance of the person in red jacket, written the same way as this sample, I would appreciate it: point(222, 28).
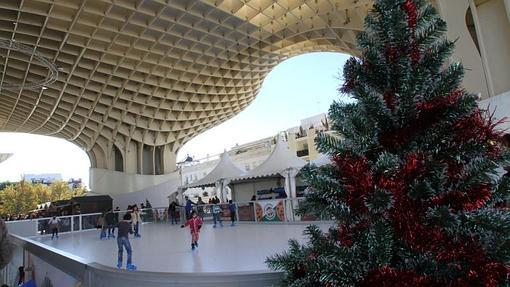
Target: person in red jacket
point(194, 223)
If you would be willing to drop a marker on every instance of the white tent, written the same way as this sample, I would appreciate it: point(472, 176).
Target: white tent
point(220, 176)
point(321, 160)
point(281, 161)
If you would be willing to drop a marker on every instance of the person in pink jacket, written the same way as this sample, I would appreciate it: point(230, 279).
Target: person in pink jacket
point(194, 223)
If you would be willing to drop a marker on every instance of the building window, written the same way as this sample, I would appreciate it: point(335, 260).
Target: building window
point(119, 161)
point(148, 160)
point(301, 153)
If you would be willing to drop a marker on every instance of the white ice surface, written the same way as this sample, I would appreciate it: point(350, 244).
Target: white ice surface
point(166, 248)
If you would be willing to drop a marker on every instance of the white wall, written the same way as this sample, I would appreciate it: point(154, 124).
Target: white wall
point(242, 191)
point(103, 181)
point(507, 6)
point(454, 13)
point(157, 195)
point(500, 105)
point(128, 189)
point(495, 27)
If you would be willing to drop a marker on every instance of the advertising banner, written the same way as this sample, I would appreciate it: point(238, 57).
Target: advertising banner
point(270, 210)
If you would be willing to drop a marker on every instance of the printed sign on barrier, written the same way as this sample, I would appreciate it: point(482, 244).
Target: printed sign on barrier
point(270, 210)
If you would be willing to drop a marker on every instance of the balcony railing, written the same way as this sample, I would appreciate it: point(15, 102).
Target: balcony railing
point(303, 152)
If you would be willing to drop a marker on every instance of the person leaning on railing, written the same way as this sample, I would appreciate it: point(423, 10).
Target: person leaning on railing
point(232, 208)
point(6, 247)
point(200, 207)
point(136, 219)
point(172, 211)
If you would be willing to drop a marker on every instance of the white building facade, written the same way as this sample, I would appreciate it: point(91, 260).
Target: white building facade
point(250, 155)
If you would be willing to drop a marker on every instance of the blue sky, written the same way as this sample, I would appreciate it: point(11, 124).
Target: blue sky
point(298, 88)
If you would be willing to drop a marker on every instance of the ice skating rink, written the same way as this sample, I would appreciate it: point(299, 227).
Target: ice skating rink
point(167, 248)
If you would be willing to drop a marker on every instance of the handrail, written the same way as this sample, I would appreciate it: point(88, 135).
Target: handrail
point(152, 208)
point(245, 211)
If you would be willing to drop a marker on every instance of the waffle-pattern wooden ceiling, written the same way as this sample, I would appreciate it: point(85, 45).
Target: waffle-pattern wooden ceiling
point(155, 71)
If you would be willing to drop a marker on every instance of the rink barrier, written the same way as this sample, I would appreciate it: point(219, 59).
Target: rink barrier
point(93, 274)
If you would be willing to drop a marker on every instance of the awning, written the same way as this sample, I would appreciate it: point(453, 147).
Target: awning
point(225, 169)
point(281, 158)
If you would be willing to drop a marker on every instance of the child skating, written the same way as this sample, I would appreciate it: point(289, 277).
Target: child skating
point(123, 231)
point(194, 223)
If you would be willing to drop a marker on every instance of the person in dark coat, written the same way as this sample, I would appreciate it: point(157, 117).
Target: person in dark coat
point(172, 211)
point(110, 223)
point(123, 242)
point(116, 216)
point(232, 208)
point(188, 207)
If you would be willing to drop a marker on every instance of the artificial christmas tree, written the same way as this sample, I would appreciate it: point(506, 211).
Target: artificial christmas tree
point(414, 182)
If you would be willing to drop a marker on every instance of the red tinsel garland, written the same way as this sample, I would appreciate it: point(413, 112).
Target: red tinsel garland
point(412, 15)
point(391, 53)
point(356, 176)
point(440, 103)
point(387, 276)
point(476, 127)
point(407, 214)
point(389, 99)
point(346, 232)
point(429, 112)
point(412, 18)
point(415, 53)
point(469, 200)
point(454, 170)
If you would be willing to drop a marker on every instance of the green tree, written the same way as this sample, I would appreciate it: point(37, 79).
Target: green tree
point(18, 198)
point(60, 190)
point(5, 184)
point(79, 191)
point(24, 196)
point(42, 192)
point(413, 186)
